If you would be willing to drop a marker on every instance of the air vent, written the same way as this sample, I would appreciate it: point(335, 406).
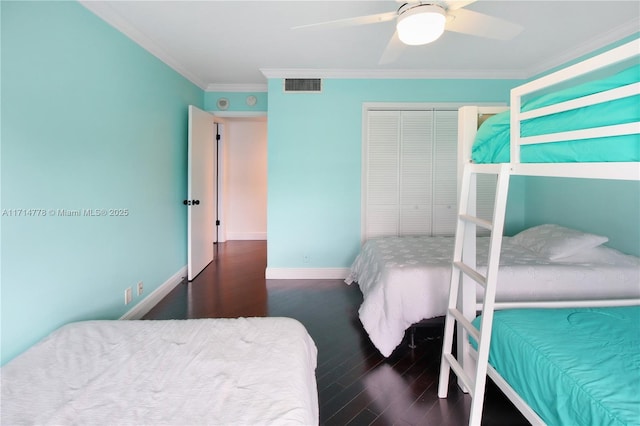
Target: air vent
point(307, 85)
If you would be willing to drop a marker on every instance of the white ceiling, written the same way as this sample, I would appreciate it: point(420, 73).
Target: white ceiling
point(234, 43)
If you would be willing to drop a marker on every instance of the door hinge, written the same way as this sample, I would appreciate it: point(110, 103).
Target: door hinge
point(217, 223)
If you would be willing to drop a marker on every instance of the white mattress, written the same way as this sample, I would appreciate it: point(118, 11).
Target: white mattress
point(406, 279)
point(243, 371)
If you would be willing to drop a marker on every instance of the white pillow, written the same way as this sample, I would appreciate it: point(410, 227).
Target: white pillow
point(555, 242)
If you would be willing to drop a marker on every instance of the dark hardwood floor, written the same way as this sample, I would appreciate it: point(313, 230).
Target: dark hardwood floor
point(356, 385)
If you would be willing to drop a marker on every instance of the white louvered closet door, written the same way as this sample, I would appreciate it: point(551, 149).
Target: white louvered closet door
point(415, 187)
point(381, 165)
point(445, 199)
point(410, 173)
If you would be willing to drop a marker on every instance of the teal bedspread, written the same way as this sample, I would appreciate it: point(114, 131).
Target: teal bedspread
point(492, 140)
point(575, 366)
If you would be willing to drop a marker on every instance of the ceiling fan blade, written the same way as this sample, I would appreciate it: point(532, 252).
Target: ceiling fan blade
point(393, 50)
point(458, 4)
point(478, 24)
point(359, 20)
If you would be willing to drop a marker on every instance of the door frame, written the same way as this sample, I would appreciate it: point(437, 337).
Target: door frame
point(221, 116)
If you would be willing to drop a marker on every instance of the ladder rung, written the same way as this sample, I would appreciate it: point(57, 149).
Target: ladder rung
point(457, 368)
point(480, 222)
point(471, 329)
point(477, 277)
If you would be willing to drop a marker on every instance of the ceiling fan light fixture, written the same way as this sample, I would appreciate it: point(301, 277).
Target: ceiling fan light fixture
point(421, 24)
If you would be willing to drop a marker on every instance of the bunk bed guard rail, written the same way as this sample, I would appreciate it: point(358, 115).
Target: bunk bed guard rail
point(619, 54)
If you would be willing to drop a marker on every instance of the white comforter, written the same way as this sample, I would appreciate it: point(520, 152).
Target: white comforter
point(244, 371)
point(406, 279)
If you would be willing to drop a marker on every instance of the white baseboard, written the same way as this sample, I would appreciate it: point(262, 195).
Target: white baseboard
point(145, 305)
point(246, 235)
point(306, 273)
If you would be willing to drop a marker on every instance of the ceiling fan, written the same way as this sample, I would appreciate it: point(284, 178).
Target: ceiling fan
point(422, 22)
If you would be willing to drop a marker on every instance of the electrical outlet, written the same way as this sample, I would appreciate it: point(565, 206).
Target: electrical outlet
point(306, 258)
point(140, 288)
point(128, 296)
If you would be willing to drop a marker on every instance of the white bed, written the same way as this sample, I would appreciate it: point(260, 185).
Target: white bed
point(242, 371)
point(406, 279)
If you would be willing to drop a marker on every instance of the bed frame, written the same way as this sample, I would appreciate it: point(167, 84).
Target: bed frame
point(472, 367)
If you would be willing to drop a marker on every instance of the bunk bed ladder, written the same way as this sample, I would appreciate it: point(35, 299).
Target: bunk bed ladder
point(472, 378)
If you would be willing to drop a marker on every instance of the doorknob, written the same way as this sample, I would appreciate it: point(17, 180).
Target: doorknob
point(196, 202)
point(190, 202)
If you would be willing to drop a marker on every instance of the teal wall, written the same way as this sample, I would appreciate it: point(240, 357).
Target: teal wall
point(90, 120)
point(237, 101)
point(604, 207)
point(314, 162)
point(610, 208)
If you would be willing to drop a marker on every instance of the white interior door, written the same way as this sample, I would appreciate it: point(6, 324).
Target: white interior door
point(201, 200)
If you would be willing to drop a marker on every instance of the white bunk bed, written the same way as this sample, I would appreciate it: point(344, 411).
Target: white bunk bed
point(472, 366)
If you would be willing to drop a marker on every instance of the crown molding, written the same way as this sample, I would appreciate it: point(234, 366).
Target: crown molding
point(391, 74)
point(104, 11)
point(588, 47)
point(236, 87)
